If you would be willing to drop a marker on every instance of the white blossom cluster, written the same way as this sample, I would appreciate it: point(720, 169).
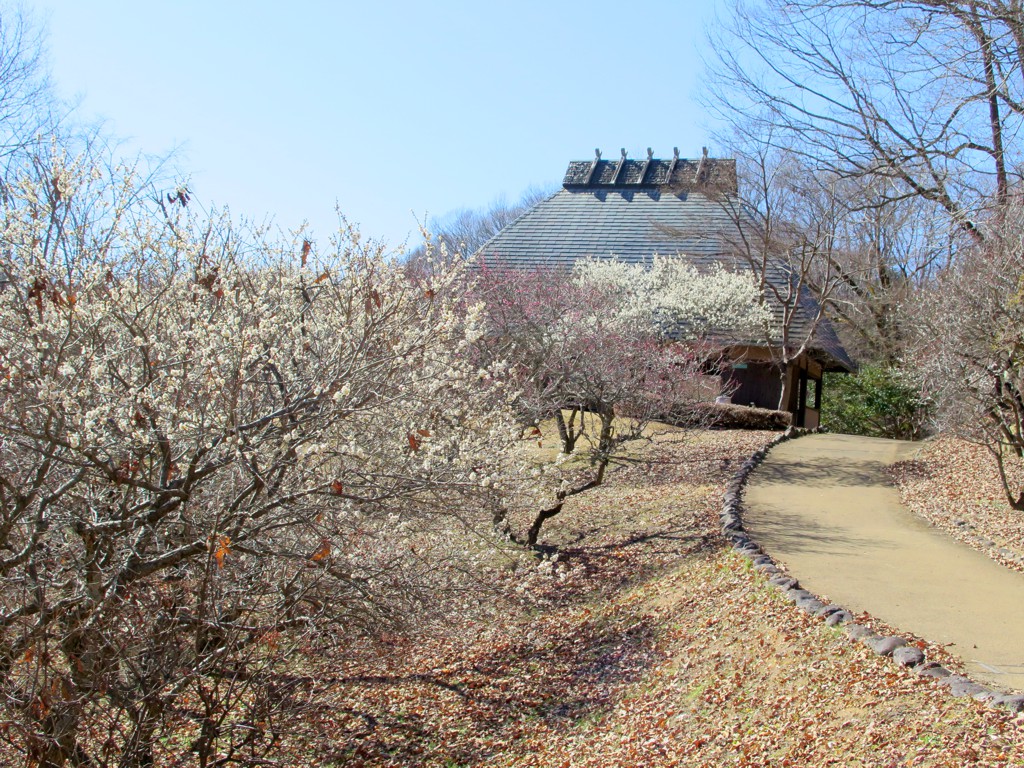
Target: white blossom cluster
point(673, 293)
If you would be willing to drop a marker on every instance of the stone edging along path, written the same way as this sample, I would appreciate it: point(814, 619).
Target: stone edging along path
point(894, 647)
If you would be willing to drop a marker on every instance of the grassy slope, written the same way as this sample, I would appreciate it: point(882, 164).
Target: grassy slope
point(647, 643)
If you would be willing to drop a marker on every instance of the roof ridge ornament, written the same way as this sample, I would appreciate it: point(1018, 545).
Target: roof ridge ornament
point(618, 169)
point(593, 166)
point(700, 165)
point(672, 165)
point(643, 172)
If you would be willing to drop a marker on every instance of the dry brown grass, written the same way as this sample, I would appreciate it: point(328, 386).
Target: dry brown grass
point(646, 643)
point(955, 486)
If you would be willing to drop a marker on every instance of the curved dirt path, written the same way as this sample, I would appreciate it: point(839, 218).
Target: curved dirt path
point(823, 506)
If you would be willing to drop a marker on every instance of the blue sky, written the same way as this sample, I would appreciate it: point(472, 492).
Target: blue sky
point(393, 110)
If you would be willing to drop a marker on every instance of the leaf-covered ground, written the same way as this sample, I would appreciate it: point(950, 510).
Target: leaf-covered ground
point(646, 642)
point(955, 485)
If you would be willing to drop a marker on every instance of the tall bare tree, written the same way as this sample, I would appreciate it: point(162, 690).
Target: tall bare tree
point(927, 95)
point(971, 348)
point(858, 256)
point(29, 110)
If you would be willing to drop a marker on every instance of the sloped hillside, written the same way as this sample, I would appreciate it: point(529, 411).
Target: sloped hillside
point(646, 642)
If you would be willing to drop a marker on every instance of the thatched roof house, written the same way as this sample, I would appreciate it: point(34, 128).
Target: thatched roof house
point(633, 210)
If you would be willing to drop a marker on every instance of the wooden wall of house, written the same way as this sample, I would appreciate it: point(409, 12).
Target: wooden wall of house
point(804, 392)
point(757, 384)
point(755, 380)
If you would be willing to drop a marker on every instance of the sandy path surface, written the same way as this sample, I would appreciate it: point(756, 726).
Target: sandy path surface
point(823, 506)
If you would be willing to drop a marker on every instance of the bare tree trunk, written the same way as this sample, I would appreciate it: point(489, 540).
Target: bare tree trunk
point(568, 432)
point(1015, 502)
point(606, 443)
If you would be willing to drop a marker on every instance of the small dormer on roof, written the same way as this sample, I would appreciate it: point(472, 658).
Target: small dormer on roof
point(677, 175)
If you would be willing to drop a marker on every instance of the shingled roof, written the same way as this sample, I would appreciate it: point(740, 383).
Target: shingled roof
point(633, 210)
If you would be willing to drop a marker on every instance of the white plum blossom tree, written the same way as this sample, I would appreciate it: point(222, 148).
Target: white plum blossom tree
point(673, 294)
point(214, 450)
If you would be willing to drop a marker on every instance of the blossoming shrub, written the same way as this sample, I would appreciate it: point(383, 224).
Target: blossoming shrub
point(213, 449)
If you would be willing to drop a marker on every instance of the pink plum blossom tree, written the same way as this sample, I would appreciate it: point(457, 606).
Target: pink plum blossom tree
point(598, 340)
